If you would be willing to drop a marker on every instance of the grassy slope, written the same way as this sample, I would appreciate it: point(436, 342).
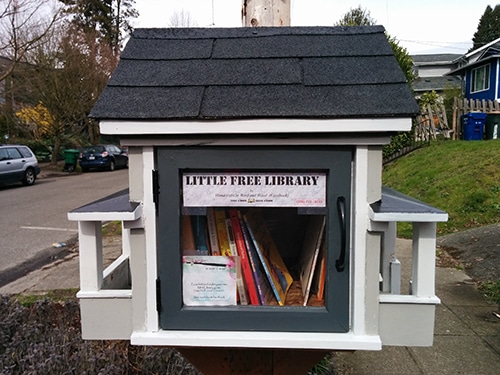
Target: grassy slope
point(459, 177)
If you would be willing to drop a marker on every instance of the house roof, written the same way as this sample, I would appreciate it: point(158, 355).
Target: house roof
point(485, 54)
point(435, 59)
point(463, 69)
point(248, 73)
point(436, 83)
point(479, 50)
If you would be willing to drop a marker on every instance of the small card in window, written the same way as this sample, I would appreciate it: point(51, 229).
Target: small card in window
point(209, 280)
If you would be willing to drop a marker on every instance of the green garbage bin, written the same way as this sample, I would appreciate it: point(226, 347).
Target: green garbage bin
point(492, 126)
point(71, 159)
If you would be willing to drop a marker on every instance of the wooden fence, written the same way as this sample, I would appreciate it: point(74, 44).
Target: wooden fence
point(431, 122)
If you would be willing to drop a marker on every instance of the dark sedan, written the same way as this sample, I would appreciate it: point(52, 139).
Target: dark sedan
point(107, 157)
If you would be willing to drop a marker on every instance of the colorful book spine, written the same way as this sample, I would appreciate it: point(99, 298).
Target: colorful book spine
point(188, 244)
point(245, 263)
point(240, 284)
point(263, 288)
point(199, 223)
point(321, 279)
point(212, 232)
point(230, 236)
point(309, 254)
point(278, 275)
point(220, 222)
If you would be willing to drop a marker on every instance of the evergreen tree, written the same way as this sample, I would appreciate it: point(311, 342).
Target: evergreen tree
point(488, 28)
point(356, 17)
point(361, 17)
point(108, 19)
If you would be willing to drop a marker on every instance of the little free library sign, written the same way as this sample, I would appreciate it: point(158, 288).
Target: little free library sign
point(202, 189)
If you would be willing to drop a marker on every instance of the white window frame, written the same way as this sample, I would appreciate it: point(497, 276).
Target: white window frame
point(480, 78)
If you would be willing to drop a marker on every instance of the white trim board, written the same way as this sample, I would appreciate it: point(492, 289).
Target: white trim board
point(247, 339)
point(255, 126)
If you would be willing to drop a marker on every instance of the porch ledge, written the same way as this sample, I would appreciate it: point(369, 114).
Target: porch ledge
point(396, 206)
point(113, 207)
point(248, 339)
point(408, 299)
point(105, 294)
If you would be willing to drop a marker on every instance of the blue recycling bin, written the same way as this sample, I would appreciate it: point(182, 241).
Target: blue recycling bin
point(473, 126)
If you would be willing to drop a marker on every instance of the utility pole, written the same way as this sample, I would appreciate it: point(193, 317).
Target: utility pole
point(239, 361)
point(265, 13)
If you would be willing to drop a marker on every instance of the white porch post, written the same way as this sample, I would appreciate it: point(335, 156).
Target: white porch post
point(388, 255)
point(125, 240)
point(424, 249)
point(91, 265)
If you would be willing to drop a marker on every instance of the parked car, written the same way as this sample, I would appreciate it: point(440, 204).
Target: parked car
point(18, 164)
point(107, 157)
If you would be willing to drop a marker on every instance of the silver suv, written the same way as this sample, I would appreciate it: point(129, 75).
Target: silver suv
point(18, 164)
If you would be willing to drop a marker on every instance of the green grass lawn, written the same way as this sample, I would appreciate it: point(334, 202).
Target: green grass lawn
point(459, 177)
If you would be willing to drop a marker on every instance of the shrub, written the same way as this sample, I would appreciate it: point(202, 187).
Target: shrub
point(44, 337)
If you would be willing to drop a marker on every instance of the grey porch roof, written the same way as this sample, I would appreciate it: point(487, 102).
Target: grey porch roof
point(396, 206)
point(242, 73)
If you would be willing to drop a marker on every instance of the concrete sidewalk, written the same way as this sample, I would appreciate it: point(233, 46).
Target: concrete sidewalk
point(466, 335)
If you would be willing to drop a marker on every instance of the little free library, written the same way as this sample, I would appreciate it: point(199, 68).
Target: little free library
point(255, 216)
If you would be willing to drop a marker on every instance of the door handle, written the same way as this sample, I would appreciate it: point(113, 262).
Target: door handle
point(340, 262)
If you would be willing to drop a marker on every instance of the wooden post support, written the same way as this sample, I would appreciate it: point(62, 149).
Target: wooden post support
point(252, 361)
point(265, 13)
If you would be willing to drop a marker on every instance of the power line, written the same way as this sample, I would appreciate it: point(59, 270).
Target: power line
point(450, 45)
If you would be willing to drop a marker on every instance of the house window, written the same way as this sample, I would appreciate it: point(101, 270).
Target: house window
point(480, 78)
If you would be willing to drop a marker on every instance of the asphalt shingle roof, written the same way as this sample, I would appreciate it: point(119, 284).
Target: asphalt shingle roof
point(268, 72)
point(436, 83)
point(432, 59)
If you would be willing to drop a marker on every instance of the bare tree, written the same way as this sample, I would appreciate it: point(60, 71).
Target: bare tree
point(67, 81)
point(24, 26)
point(181, 18)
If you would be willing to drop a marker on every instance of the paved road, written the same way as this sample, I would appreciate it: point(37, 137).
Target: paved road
point(35, 217)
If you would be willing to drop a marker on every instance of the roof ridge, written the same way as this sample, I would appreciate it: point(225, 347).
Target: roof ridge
point(251, 32)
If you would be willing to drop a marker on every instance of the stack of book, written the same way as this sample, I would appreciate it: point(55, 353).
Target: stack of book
point(264, 278)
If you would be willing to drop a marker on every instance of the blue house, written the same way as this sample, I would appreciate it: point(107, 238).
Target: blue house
point(480, 69)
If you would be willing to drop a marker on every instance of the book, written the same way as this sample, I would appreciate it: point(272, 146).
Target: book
point(220, 223)
point(212, 232)
point(263, 288)
point(245, 263)
point(275, 269)
point(242, 290)
point(309, 255)
point(240, 285)
point(199, 223)
point(321, 273)
point(188, 245)
point(230, 236)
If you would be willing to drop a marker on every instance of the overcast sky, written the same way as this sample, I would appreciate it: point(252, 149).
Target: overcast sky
point(422, 26)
